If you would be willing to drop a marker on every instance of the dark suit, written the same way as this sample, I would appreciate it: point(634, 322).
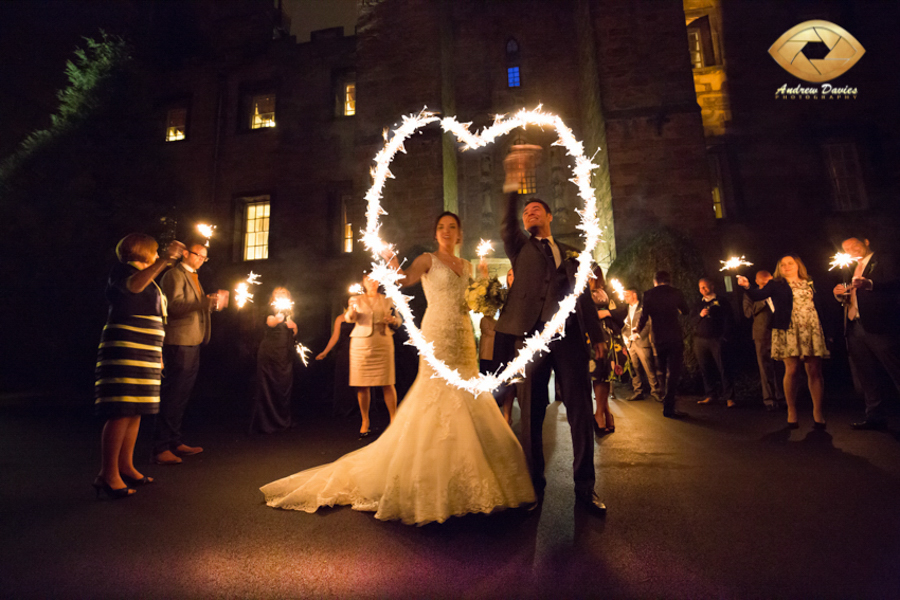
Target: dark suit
point(873, 339)
point(710, 333)
point(762, 339)
point(187, 328)
point(662, 305)
point(534, 299)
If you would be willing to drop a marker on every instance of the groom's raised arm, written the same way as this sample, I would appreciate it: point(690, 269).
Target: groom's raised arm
point(513, 236)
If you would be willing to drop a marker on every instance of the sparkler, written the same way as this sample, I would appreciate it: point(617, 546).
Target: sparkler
point(389, 277)
point(485, 247)
point(356, 289)
point(206, 231)
point(282, 305)
point(242, 293)
point(618, 288)
point(304, 353)
point(734, 263)
point(842, 260)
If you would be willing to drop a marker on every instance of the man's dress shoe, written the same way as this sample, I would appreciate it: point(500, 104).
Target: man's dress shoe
point(166, 458)
point(674, 414)
point(185, 450)
point(591, 502)
point(868, 425)
point(636, 397)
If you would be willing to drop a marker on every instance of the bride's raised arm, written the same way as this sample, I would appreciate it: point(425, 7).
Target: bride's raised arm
point(413, 274)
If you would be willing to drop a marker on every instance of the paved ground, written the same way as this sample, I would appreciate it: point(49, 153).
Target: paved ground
point(726, 504)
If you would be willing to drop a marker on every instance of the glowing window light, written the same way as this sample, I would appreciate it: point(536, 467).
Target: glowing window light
point(388, 277)
point(176, 124)
point(263, 111)
point(349, 99)
point(256, 231)
point(512, 77)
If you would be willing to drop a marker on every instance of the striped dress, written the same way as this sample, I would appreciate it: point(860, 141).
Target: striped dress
point(128, 371)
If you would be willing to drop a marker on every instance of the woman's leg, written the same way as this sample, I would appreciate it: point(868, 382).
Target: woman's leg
point(126, 454)
point(601, 394)
point(363, 396)
point(816, 383)
point(390, 399)
point(111, 442)
point(791, 372)
point(508, 396)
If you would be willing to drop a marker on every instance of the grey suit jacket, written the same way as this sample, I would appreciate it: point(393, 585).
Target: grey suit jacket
point(629, 328)
point(188, 322)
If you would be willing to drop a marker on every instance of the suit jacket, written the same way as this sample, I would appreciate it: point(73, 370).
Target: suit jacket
point(364, 316)
point(717, 322)
point(762, 317)
point(663, 304)
point(188, 323)
point(629, 326)
point(534, 282)
point(879, 308)
point(779, 290)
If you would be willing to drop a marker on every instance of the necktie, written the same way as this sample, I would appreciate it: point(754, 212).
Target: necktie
point(548, 250)
point(196, 279)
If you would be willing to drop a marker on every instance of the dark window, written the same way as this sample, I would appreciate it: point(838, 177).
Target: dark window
point(700, 43)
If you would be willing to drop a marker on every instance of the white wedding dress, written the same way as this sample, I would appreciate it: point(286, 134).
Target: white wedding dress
point(447, 452)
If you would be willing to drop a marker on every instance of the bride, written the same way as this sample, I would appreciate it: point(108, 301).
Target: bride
point(447, 452)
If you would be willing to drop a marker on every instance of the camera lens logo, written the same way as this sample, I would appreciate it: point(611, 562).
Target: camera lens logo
point(817, 51)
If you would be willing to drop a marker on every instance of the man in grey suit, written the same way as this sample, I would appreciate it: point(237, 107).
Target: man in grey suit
point(638, 344)
point(187, 328)
point(761, 313)
point(545, 273)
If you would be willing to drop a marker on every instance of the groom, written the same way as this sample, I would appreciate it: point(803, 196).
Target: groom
point(545, 274)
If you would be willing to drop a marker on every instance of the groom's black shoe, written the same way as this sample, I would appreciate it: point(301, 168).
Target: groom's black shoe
point(674, 414)
point(591, 502)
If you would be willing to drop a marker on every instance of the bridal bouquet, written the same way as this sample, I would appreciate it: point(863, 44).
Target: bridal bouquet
point(486, 296)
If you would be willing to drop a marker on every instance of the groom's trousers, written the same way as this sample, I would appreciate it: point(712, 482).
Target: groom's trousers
point(569, 360)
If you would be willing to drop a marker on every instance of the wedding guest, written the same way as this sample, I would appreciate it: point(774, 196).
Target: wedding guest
point(662, 306)
point(712, 320)
point(643, 364)
point(187, 329)
point(372, 349)
point(506, 394)
point(872, 325)
point(129, 360)
point(601, 366)
point(343, 397)
point(797, 334)
point(275, 368)
point(761, 313)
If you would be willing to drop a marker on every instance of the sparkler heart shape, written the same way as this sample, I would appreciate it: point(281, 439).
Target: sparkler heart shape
point(388, 277)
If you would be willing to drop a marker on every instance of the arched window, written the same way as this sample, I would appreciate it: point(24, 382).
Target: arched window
point(513, 76)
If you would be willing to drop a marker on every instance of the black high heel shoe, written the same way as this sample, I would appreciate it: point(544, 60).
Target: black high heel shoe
point(132, 482)
point(793, 425)
point(100, 485)
point(819, 426)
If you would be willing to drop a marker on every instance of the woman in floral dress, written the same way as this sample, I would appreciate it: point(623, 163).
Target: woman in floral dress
point(797, 334)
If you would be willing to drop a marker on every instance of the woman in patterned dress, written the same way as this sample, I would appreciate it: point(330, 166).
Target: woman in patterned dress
point(797, 334)
point(129, 360)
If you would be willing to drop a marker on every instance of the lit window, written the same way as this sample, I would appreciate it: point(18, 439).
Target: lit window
point(176, 124)
point(347, 228)
point(528, 177)
point(700, 43)
point(350, 99)
point(262, 113)
point(512, 76)
point(716, 175)
point(256, 230)
point(846, 177)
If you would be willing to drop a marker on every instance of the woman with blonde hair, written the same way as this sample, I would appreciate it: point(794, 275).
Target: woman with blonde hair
point(797, 333)
point(129, 359)
point(275, 367)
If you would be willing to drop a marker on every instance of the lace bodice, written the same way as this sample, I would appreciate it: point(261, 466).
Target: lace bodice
point(446, 322)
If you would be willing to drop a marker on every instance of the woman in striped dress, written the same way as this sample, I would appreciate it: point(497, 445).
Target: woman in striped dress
point(129, 360)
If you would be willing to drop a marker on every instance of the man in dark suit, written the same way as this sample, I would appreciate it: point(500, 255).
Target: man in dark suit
point(662, 305)
point(712, 320)
point(761, 313)
point(187, 328)
point(872, 317)
point(545, 273)
point(638, 344)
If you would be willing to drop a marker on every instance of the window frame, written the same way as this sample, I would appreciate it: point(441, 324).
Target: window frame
point(247, 93)
point(242, 208)
point(186, 124)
